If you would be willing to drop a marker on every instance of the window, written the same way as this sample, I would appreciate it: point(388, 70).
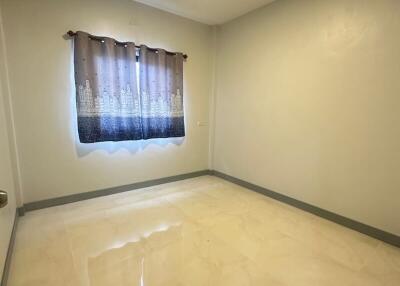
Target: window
point(117, 101)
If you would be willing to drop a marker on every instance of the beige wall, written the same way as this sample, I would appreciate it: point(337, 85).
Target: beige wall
point(6, 176)
point(308, 101)
point(52, 161)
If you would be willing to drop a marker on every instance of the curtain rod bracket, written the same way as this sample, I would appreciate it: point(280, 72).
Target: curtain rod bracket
point(70, 33)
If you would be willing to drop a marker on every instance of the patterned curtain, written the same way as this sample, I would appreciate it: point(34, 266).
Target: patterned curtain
point(107, 99)
point(161, 88)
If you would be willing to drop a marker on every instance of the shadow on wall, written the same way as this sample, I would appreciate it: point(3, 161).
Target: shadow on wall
point(110, 147)
point(113, 147)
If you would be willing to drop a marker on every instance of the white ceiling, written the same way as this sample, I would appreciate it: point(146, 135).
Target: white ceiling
point(210, 12)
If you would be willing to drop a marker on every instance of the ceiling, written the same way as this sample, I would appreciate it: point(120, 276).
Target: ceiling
point(209, 12)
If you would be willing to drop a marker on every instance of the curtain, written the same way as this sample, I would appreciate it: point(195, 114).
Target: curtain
point(108, 104)
point(161, 90)
point(111, 107)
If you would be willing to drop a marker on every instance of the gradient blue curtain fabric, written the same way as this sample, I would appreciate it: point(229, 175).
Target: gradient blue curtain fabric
point(108, 103)
point(110, 106)
point(161, 90)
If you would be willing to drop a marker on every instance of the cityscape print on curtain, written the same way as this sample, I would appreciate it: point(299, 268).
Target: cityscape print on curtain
point(109, 105)
point(106, 87)
point(161, 84)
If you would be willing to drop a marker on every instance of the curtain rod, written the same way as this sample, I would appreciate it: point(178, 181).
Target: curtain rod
point(73, 34)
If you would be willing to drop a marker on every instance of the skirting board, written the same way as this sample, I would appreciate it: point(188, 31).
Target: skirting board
point(347, 222)
point(7, 263)
point(339, 219)
point(105, 192)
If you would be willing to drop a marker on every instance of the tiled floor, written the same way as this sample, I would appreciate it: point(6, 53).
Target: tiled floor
point(202, 231)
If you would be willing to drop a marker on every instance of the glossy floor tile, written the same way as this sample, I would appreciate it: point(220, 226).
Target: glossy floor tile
point(203, 231)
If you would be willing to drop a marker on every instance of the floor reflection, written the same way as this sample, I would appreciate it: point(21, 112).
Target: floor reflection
point(197, 232)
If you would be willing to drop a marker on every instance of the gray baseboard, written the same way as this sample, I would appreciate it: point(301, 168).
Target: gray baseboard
point(339, 219)
point(21, 211)
point(347, 222)
point(7, 263)
point(105, 192)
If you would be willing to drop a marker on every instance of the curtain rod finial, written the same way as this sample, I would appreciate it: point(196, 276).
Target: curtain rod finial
point(70, 33)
